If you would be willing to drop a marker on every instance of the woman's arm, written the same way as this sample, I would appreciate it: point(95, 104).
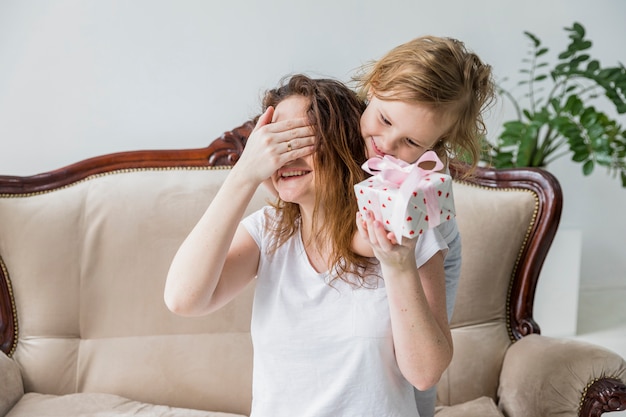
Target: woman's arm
point(218, 257)
point(417, 303)
point(205, 258)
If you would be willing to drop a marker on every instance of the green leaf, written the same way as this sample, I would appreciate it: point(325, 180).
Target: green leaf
point(588, 117)
point(588, 167)
point(607, 73)
point(527, 146)
point(573, 105)
point(533, 38)
point(579, 45)
point(581, 58)
point(580, 156)
point(577, 31)
point(580, 30)
point(542, 117)
point(561, 67)
point(593, 66)
point(503, 160)
point(560, 122)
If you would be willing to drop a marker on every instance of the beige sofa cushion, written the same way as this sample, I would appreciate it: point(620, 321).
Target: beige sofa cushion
point(479, 329)
point(99, 405)
point(535, 367)
point(498, 222)
point(480, 407)
point(11, 388)
point(88, 264)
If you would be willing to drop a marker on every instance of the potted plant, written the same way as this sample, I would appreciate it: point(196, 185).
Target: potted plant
point(556, 114)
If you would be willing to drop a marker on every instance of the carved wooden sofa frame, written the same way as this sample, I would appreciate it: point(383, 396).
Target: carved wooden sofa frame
point(596, 394)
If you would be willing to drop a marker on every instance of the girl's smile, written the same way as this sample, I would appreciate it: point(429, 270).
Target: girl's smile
point(375, 148)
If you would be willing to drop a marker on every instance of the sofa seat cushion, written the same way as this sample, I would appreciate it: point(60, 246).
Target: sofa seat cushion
point(98, 405)
point(480, 407)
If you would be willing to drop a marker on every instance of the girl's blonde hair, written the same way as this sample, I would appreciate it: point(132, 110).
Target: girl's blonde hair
point(441, 73)
point(334, 113)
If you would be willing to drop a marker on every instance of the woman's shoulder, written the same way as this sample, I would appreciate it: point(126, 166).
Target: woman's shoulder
point(258, 218)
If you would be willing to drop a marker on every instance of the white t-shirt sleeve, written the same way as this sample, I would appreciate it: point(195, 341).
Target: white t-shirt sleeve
point(428, 244)
point(255, 224)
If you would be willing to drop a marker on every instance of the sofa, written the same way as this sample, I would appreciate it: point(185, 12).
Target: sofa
point(84, 331)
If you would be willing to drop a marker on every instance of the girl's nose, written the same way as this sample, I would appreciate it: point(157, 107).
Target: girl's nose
point(390, 144)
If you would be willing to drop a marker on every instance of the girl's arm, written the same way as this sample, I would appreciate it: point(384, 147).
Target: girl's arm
point(219, 258)
point(417, 303)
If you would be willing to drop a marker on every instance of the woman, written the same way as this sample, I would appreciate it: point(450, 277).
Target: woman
point(334, 333)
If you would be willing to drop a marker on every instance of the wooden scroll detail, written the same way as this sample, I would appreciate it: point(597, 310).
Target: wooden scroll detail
point(8, 319)
point(603, 396)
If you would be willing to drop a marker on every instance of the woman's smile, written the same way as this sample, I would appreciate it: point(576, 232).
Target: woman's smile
point(293, 173)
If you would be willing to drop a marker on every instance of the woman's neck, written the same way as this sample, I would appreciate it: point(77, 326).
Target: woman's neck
point(317, 249)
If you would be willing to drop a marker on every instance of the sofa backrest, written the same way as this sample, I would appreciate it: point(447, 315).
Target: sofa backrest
point(493, 224)
point(84, 252)
point(87, 265)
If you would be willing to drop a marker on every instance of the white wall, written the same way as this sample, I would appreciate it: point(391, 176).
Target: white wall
point(79, 78)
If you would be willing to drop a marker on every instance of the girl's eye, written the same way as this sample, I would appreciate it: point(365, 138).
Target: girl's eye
point(411, 143)
point(384, 120)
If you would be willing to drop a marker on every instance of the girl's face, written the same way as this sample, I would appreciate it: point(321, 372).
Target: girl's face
point(401, 129)
point(294, 182)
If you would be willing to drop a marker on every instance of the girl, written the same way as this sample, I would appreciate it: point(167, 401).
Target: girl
point(334, 333)
point(426, 94)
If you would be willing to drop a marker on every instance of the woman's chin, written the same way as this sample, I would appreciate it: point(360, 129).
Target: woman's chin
point(288, 197)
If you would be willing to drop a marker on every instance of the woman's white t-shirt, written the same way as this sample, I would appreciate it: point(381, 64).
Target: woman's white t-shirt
point(322, 349)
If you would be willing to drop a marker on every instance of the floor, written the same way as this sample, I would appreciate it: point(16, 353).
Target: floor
point(602, 320)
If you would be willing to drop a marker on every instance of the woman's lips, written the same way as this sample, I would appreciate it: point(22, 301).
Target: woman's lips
point(290, 174)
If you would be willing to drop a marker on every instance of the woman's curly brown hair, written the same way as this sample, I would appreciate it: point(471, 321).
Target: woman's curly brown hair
point(334, 113)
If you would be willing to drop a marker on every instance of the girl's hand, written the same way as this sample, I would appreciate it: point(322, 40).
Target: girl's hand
point(272, 145)
point(384, 243)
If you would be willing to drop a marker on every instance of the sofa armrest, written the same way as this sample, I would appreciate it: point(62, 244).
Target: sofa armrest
point(543, 376)
point(11, 385)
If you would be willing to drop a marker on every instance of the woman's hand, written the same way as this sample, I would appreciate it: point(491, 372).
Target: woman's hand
point(272, 145)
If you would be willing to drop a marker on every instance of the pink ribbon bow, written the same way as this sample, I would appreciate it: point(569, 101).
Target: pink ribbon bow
point(408, 178)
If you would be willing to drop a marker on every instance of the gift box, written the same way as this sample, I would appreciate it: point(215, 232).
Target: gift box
point(406, 198)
